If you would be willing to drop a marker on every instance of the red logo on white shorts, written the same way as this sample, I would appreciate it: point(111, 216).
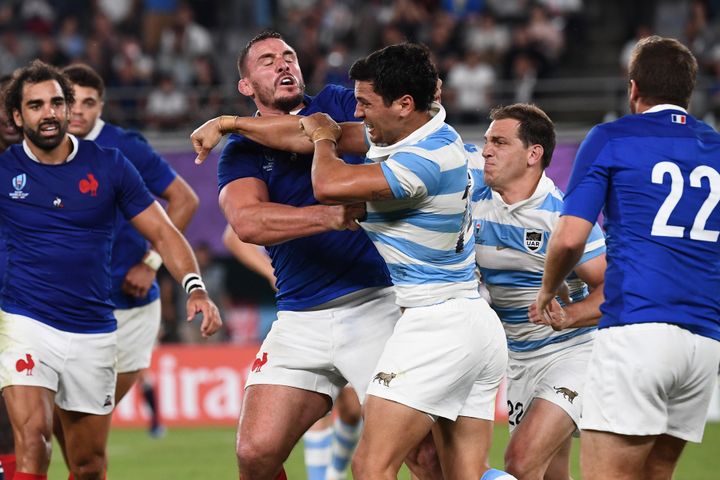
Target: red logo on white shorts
point(27, 364)
point(259, 362)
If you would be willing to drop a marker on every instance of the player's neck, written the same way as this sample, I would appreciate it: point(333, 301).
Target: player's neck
point(56, 156)
point(520, 190)
point(414, 122)
point(266, 111)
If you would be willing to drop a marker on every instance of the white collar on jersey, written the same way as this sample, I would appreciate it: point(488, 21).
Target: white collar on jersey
point(32, 156)
point(664, 106)
point(93, 134)
point(544, 187)
point(437, 119)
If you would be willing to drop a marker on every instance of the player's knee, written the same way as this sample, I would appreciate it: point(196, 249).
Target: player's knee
point(256, 456)
point(35, 441)
point(518, 463)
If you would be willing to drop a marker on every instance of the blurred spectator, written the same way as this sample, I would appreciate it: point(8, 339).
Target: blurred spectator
point(641, 32)
point(524, 79)
point(181, 43)
point(470, 83)
point(509, 10)
point(70, 40)
point(15, 52)
point(485, 36)
point(37, 16)
point(546, 34)
point(167, 106)
point(463, 8)
point(207, 100)
point(49, 52)
point(157, 16)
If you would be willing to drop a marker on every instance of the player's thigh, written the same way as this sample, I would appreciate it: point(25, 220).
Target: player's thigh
point(85, 437)
point(544, 429)
point(664, 456)
point(463, 446)
point(136, 335)
point(391, 431)
point(606, 455)
point(6, 438)
point(30, 410)
point(274, 417)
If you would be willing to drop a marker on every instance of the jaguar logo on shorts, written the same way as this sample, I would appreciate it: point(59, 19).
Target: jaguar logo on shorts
point(533, 239)
point(259, 362)
point(384, 378)
point(567, 393)
point(108, 401)
point(26, 364)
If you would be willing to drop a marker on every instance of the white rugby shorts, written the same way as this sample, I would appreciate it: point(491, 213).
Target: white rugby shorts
point(446, 360)
point(79, 367)
point(558, 377)
point(650, 379)
point(137, 330)
point(323, 349)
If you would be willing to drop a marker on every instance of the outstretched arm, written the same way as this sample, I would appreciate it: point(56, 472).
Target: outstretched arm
point(154, 224)
point(281, 132)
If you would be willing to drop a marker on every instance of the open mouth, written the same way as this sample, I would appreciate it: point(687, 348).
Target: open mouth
point(50, 129)
point(287, 81)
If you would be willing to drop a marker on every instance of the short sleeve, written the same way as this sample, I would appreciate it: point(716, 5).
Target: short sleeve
point(154, 170)
point(133, 195)
point(410, 175)
point(240, 158)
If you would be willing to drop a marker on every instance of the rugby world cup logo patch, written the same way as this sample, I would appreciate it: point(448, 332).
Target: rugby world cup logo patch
point(533, 239)
point(18, 183)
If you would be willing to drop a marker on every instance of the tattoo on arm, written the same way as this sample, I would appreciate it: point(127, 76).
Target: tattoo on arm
point(385, 194)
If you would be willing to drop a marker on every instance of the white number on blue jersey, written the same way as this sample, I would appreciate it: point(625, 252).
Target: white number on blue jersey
point(660, 226)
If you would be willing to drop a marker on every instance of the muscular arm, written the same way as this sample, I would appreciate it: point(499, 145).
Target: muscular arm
point(255, 219)
point(182, 202)
point(335, 181)
point(249, 255)
point(281, 132)
point(154, 224)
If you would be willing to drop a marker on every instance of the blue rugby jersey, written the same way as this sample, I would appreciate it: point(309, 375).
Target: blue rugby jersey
point(510, 248)
point(315, 269)
point(425, 233)
point(59, 222)
point(657, 175)
point(129, 247)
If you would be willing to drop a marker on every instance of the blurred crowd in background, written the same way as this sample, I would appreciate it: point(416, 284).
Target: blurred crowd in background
point(170, 64)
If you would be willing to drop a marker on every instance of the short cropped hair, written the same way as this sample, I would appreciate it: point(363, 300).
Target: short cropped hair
point(85, 76)
point(36, 71)
point(535, 127)
point(242, 70)
point(397, 70)
point(664, 71)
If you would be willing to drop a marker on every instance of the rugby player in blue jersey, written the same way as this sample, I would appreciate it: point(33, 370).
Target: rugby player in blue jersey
point(656, 176)
point(57, 328)
point(335, 301)
point(135, 291)
point(9, 135)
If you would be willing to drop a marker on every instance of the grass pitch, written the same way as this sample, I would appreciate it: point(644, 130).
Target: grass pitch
point(208, 453)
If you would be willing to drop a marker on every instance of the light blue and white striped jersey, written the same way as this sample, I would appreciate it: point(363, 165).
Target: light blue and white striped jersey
point(510, 248)
point(425, 233)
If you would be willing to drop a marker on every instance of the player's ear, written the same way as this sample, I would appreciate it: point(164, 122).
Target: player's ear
point(17, 118)
point(407, 104)
point(245, 88)
point(536, 154)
